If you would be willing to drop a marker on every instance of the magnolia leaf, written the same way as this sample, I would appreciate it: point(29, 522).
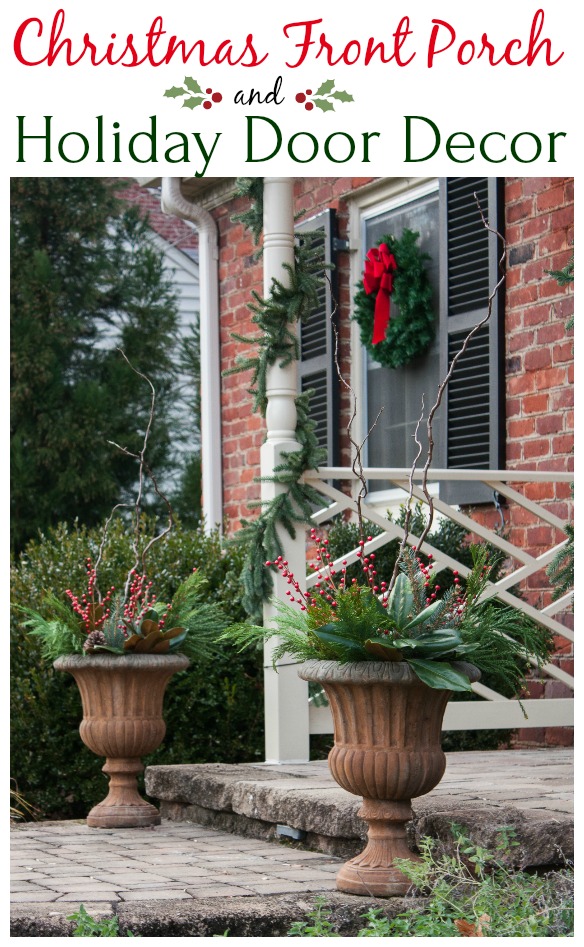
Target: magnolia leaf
point(147, 644)
point(104, 647)
point(406, 642)
point(174, 633)
point(385, 652)
point(438, 639)
point(192, 84)
point(131, 642)
point(324, 105)
point(161, 647)
point(326, 87)
point(437, 649)
point(342, 96)
point(176, 642)
point(192, 103)
point(148, 626)
point(438, 674)
point(422, 616)
point(174, 92)
point(465, 648)
point(400, 601)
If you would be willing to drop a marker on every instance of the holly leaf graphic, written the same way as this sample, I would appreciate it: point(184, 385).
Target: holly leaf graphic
point(325, 104)
point(342, 96)
point(326, 87)
point(192, 102)
point(174, 92)
point(192, 85)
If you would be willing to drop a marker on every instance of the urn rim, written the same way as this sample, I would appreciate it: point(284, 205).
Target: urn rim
point(371, 672)
point(73, 662)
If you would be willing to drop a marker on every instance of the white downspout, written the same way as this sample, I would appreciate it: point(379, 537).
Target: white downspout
point(174, 203)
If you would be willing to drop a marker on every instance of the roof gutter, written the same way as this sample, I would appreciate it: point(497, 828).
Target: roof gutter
point(174, 203)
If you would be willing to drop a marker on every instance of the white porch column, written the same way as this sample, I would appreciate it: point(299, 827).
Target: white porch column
point(286, 696)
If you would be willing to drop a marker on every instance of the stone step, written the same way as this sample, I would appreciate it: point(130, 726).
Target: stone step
point(527, 790)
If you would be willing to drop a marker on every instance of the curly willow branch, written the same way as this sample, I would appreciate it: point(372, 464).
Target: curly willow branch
point(357, 465)
point(443, 385)
point(139, 557)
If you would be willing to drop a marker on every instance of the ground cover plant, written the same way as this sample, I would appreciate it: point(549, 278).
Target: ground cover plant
point(468, 892)
point(88, 926)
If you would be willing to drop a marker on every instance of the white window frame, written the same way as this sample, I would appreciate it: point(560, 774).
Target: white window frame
point(372, 201)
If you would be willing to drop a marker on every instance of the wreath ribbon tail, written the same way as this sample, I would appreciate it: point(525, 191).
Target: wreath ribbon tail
point(381, 316)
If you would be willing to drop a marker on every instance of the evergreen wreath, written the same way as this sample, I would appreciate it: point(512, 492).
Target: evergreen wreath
point(411, 329)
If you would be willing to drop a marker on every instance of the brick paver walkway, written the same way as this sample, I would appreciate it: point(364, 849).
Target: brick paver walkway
point(58, 865)
point(67, 861)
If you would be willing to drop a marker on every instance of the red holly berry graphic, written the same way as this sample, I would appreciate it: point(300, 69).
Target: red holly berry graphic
point(324, 98)
point(193, 95)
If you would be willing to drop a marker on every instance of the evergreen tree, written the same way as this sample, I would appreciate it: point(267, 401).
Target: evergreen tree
point(85, 280)
point(187, 495)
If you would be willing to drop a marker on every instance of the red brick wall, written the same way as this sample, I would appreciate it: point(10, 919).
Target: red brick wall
point(539, 358)
point(538, 363)
point(243, 431)
point(539, 383)
point(173, 229)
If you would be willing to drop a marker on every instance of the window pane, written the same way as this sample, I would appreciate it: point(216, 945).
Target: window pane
point(399, 391)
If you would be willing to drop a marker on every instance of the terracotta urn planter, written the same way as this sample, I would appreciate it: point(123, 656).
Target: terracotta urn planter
point(387, 726)
point(122, 699)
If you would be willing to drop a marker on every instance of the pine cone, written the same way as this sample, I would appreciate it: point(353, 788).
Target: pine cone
point(93, 639)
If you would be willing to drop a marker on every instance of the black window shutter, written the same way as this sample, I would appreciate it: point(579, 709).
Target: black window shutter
point(474, 416)
point(317, 342)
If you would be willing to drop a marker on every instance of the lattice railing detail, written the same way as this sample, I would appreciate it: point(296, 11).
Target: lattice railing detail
point(528, 564)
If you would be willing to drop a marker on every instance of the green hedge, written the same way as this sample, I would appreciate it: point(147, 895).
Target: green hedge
point(214, 711)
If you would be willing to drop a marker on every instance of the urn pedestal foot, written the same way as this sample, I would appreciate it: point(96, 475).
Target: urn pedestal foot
point(373, 872)
point(123, 806)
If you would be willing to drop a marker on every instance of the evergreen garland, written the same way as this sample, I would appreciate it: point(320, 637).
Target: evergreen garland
point(411, 329)
point(275, 316)
point(253, 217)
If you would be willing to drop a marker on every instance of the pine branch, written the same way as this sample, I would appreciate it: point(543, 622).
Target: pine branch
point(276, 316)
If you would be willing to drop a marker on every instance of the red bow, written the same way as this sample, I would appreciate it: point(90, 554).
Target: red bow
point(380, 266)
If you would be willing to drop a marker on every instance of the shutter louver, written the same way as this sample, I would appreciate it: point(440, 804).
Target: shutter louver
point(468, 246)
point(316, 366)
point(474, 397)
point(317, 383)
point(468, 402)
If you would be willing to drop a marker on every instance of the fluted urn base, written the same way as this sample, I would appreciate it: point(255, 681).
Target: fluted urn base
point(387, 749)
point(373, 872)
point(122, 698)
point(123, 806)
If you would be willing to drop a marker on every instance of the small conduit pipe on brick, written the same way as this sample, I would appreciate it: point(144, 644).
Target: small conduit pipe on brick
point(174, 203)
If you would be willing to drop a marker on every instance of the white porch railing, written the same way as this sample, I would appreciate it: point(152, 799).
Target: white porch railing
point(494, 711)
